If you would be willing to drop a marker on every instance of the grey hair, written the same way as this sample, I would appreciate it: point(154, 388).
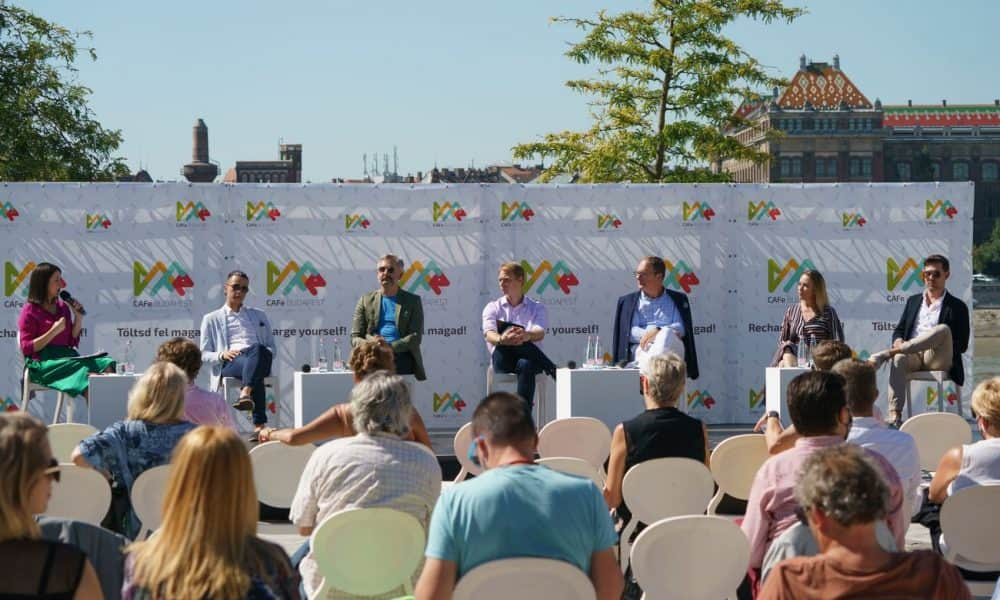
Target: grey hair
point(845, 484)
point(665, 376)
point(380, 404)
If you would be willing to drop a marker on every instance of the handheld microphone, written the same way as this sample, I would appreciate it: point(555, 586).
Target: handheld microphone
point(305, 368)
point(69, 299)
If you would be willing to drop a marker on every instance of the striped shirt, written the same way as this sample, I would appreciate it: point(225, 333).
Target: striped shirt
point(794, 328)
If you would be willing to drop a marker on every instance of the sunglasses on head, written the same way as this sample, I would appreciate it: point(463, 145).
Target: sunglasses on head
point(239, 288)
point(53, 470)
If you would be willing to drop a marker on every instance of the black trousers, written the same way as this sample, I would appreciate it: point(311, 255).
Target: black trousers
point(526, 361)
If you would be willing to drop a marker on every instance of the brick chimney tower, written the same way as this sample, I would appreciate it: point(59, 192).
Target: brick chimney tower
point(199, 170)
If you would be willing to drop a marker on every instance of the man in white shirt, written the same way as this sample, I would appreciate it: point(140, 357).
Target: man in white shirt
point(867, 431)
point(931, 335)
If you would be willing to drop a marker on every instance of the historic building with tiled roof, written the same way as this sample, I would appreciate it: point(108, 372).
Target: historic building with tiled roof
point(831, 132)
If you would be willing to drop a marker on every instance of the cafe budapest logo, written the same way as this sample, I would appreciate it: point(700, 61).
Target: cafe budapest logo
point(762, 211)
point(191, 212)
point(9, 212)
point(546, 277)
point(172, 280)
point(608, 222)
point(756, 399)
point(950, 396)
point(853, 220)
point(15, 279)
point(680, 276)
point(7, 404)
point(445, 212)
point(786, 276)
point(511, 212)
point(424, 278)
point(98, 222)
point(696, 211)
point(293, 277)
point(356, 222)
point(903, 275)
point(938, 211)
point(700, 398)
point(261, 212)
point(448, 401)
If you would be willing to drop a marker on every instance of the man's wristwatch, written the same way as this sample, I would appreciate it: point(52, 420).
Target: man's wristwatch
point(773, 414)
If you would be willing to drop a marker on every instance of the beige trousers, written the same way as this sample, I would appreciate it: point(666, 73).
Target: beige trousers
point(931, 351)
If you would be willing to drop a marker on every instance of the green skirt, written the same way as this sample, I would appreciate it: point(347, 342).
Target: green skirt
point(60, 368)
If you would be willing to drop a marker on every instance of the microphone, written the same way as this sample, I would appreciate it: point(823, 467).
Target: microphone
point(69, 299)
point(571, 364)
point(305, 368)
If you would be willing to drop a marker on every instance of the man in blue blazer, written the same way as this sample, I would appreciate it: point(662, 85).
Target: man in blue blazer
point(236, 341)
point(643, 313)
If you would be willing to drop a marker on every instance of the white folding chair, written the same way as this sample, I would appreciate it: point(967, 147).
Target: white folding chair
point(231, 387)
point(970, 533)
point(494, 380)
point(525, 579)
point(367, 551)
point(935, 434)
point(578, 437)
point(147, 497)
point(691, 558)
point(463, 440)
point(735, 462)
point(574, 466)
point(82, 494)
point(28, 389)
point(661, 488)
point(938, 377)
point(65, 437)
point(277, 468)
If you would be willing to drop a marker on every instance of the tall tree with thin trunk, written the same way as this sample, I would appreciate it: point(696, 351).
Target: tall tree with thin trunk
point(668, 88)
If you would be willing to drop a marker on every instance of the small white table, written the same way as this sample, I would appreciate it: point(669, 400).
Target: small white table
point(315, 392)
point(109, 397)
point(776, 380)
point(608, 395)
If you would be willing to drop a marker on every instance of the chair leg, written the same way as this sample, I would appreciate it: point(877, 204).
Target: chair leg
point(940, 396)
point(714, 503)
point(59, 407)
point(25, 392)
point(908, 398)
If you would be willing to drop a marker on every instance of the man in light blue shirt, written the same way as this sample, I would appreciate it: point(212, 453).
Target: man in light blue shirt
point(517, 509)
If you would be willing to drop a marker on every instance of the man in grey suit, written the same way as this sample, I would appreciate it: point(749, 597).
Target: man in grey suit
point(236, 341)
point(393, 314)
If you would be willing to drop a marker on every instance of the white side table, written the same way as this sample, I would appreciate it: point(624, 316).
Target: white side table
point(776, 380)
point(315, 392)
point(109, 397)
point(608, 395)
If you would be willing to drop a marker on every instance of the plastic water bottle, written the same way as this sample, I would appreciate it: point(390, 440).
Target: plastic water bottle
point(803, 353)
point(321, 357)
point(128, 359)
point(598, 353)
point(588, 360)
point(338, 360)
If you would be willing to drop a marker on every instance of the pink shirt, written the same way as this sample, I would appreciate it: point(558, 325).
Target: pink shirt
point(771, 505)
point(206, 408)
point(36, 321)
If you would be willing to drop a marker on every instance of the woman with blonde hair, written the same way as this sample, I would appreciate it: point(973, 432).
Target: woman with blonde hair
point(366, 358)
point(34, 567)
point(810, 320)
point(144, 440)
point(207, 545)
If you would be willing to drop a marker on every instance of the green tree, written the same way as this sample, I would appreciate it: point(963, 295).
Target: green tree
point(669, 84)
point(986, 256)
point(47, 131)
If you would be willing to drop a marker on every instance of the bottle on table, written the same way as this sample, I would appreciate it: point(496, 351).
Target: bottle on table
point(321, 362)
point(128, 359)
point(338, 359)
point(588, 359)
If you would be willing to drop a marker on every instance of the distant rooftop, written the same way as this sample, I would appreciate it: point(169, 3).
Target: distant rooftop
point(941, 115)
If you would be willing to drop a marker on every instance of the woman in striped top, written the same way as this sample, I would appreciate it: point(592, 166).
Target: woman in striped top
point(812, 319)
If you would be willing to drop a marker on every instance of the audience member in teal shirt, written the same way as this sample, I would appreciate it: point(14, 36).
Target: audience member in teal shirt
point(387, 319)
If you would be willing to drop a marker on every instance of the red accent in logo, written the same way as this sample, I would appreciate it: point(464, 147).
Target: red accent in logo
point(12, 213)
point(204, 214)
point(567, 280)
point(861, 221)
point(687, 281)
point(527, 214)
point(313, 282)
point(438, 281)
point(951, 211)
point(273, 214)
point(459, 214)
point(180, 282)
point(774, 213)
point(708, 213)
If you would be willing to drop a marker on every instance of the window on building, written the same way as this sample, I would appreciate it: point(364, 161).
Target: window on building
point(960, 171)
point(860, 166)
point(826, 166)
point(990, 171)
point(936, 171)
point(866, 166)
point(791, 166)
point(903, 171)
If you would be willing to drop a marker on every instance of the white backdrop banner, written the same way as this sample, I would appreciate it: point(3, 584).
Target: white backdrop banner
point(148, 260)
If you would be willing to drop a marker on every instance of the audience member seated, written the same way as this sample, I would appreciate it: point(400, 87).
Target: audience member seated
point(377, 468)
point(145, 439)
point(817, 407)
point(201, 406)
point(826, 354)
point(660, 431)
point(844, 496)
point(869, 431)
point(105, 549)
point(207, 546)
point(366, 358)
point(516, 508)
point(44, 569)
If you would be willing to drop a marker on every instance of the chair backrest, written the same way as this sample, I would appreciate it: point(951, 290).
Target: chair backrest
point(367, 551)
point(735, 462)
point(935, 434)
point(969, 525)
point(65, 437)
point(691, 558)
point(667, 487)
point(578, 437)
point(574, 466)
point(147, 496)
point(277, 468)
point(525, 579)
point(463, 439)
point(82, 494)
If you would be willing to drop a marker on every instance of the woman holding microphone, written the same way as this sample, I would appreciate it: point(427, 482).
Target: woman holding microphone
point(49, 332)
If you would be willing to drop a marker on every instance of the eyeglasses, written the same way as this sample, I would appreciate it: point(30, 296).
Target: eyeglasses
point(643, 274)
point(239, 288)
point(386, 269)
point(53, 470)
point(931, 274)
point(473, 457)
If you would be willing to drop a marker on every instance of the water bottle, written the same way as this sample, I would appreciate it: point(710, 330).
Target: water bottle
point(338, 360)
point(128, 360)
point(598, 353)
point(809, 349)
point(321, 357)
point(588, 360)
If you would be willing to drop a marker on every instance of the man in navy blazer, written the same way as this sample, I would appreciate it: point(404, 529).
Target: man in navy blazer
point(236, 341)
point(643, 313)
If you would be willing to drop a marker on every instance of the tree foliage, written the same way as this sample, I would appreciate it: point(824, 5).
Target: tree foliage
point(669, 84)
point(47, 131)
point(986, 256)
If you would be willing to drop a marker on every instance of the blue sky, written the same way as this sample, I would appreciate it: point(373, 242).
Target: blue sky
point(445, 81)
